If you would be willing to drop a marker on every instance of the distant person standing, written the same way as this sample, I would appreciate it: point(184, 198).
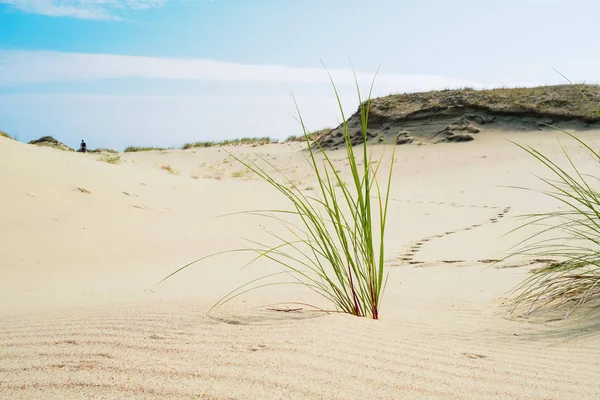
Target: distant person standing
point(83, 147)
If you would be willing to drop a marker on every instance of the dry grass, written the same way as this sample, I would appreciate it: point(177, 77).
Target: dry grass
point(134, 149)
point(169, 169)
point(110, 158)
point(243, 173)
point(217, 176)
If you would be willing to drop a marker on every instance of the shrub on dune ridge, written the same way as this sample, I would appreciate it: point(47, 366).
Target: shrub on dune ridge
point(336, 247)
point(574, 278)
point(49, 141)
point(6, 135)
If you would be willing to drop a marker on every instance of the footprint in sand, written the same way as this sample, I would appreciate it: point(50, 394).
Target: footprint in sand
point(411, 252)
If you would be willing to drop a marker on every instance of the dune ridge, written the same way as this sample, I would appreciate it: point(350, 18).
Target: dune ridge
point(458, 115)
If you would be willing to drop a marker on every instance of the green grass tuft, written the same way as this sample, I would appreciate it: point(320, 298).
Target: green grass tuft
point(335, 245)
point(570, 236)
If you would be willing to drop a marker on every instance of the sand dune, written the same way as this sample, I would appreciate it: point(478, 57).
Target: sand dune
point(84, 243)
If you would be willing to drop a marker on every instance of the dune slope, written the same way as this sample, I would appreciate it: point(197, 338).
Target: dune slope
point(84, 242)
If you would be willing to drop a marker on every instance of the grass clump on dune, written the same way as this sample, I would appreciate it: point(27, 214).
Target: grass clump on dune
point(134, 149)
point(102, 150)
point(197, 144)
point(169, 169)
point(110, 158)
point(335, 245)
point(574, 237)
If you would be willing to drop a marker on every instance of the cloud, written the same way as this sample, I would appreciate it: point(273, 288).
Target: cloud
point(27, 67)
point(83, 9)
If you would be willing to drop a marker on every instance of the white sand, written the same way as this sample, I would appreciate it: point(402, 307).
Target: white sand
point(80, 316)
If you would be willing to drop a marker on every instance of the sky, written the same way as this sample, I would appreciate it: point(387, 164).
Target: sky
point(166, 72)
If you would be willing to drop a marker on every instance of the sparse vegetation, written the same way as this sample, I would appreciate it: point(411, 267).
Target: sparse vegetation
point(49, 141)
point(197, 144)
point(194, 176)
point(134, 149)
point(314, 135)
point(110, 158)
point(244, 173)
point(232, 142)
point(337, 246)
point(574, 236)
point(43, 139)
point(169, 169)
point(217, 176)
point(454, 116)
point(6, 135)
point(559, 101)
point(102, 150)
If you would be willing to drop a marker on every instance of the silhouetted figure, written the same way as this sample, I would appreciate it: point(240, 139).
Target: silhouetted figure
point(83, 147)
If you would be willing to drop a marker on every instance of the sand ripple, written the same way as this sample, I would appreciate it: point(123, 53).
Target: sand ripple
point(174, 351)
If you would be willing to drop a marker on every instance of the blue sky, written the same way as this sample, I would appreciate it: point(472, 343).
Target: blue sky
point(164, 72)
